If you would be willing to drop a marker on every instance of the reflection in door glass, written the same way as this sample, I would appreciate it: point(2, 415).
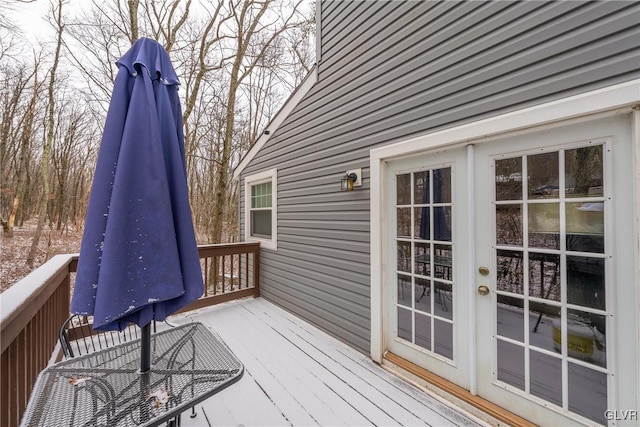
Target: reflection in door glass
point(423, 330)
point(587, 392)
point(442, 223)
point(422, 259)
point(442, 185)
point(551, 339)
point(544, 225)
point(510, 266)
point(509, 179)
point(546, 376)
point(422, 294)
point(586, 337)
point(543, 176)
point(544, 326)
point(509, 225)
point(585, 282)
point(510, 317)
point(443, 332)
point(404, 222)
point(404, 290)
point(422, 223)
point(510, 363)
point(404, 256)
point(443, 299)
point(421, 193)
point(584, 172)
point(405, 330)
point(424, 212)
point(403, 189)
point(585, 227)
point(544, 276)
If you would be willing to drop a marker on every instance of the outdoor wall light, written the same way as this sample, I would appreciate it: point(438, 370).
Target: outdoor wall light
point(351, 179)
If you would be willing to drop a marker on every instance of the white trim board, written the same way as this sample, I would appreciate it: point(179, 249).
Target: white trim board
point(298, 94)
point(607, 100)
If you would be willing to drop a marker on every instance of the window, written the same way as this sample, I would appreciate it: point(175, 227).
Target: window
point(261, 208)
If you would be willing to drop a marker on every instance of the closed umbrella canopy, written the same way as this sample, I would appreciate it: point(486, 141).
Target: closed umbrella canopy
point(139, 259)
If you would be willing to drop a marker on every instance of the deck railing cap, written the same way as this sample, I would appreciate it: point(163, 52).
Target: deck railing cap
point(23, 291)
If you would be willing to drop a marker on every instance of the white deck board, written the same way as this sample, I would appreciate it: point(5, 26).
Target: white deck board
point(297, 375)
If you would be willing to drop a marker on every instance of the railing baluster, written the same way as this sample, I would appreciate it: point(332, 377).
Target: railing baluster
point(206, 276)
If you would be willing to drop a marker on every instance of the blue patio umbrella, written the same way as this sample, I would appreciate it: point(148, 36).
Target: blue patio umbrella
point(138, 258)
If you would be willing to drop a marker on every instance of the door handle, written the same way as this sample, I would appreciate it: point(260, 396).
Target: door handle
point(483, 290)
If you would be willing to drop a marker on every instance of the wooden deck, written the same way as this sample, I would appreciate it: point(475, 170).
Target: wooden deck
point(296, 375)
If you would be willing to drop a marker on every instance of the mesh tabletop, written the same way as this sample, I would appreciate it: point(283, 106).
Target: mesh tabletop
point(105, 388)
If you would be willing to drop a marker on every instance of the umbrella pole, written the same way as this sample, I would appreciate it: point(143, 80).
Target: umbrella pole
point(145, 348)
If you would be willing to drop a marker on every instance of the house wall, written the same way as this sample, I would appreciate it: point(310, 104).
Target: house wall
point(393, 70)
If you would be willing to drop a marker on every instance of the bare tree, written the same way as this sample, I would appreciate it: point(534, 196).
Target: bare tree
point(44, 168)
point(248, 18)
point(25, 142)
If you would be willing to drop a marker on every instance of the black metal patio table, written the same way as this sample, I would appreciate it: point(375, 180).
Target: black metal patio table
point(189, 364)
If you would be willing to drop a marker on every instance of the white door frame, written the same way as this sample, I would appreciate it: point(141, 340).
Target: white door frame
point(588, 106)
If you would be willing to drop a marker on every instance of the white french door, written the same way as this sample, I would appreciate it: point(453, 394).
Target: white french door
point(550, 285)
point(426, 297)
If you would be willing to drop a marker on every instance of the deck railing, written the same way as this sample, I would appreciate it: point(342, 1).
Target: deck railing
point(33, 309)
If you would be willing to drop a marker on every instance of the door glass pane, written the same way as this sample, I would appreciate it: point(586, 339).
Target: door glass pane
point(404, 290)
point(509, 225)
point(586, 337)
point(443, 300)
point(423, 295)
point(421, 188)
point(510, 363)
point(509, 179)
point(546, 376)
point(510, 317)
point(442, 185)
point(585, 227)
point(544, 225)
point(588, 392)
point(584, 172)
point(543, 175)
point(585, 282)
point(404, 257)
point(545, 326)
point(405, 330)
point(403, 189)
point(544, 276)
point(443, 262)
point(404, 222)
point(442, 223)
point(422, 257)
point(423, 331)
point(443, 337)
point(422, 223)
point(510, 272)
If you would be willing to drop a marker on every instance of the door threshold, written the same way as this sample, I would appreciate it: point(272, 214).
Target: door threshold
point(481, 408)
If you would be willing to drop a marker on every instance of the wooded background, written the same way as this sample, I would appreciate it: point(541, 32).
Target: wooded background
point(237, 61)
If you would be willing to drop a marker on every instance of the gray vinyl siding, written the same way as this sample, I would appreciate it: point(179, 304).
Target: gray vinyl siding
point(394, 70)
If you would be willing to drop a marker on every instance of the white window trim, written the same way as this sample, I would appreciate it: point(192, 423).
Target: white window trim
point(270, 175)
point(586, 106)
